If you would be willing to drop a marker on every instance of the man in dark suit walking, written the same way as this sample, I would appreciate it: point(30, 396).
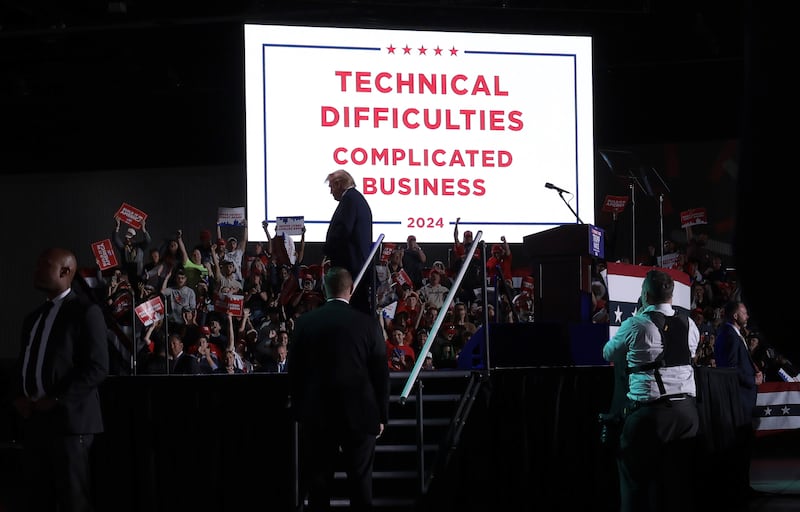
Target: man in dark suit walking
point(63, 359)
point(339, 385)
point(349, 238)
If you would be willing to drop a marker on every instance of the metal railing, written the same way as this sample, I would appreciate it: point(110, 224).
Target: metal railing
point(412, 378)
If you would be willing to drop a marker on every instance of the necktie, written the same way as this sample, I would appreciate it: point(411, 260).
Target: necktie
point(33, 357)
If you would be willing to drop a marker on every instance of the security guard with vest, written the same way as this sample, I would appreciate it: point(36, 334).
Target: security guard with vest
point(655, 457)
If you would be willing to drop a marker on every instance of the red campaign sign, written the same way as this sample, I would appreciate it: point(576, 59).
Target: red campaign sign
point(104, 254)
point(233, 304)
point(236, 305)
point(403, 279)
point(131, 215)
point(693, 217)
point(386, 251)
point(614, 204)
point(150, 311)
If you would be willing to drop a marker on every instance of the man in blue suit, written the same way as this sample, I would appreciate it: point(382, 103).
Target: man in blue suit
point(63, 360)
point(339, 386)
point(349, 238)
point(731, 351)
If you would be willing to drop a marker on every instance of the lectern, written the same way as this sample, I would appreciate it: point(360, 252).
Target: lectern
point(562, 262)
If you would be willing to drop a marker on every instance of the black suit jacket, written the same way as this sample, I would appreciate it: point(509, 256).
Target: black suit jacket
point(75, 364)
point(349, 238)
point(337, 371)
point(186, 364)
point(730, 352)
point(272, 366)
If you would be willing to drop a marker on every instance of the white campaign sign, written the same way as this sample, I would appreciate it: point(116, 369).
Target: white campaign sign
point(433, 126)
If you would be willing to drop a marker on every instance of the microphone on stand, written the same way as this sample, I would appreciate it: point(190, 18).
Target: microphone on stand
point(560, 190)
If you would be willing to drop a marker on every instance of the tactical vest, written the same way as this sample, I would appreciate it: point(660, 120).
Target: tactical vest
point(675, 338)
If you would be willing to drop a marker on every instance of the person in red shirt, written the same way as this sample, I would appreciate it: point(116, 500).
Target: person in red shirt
point(400, 355)
point(501, 257)
point(411, 304)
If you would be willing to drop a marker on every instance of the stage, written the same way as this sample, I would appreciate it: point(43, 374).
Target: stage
point(224, 442)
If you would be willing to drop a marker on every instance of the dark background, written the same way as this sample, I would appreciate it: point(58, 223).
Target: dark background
point(83, 86)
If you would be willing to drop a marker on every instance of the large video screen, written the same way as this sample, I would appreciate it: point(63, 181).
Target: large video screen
point(433, 126)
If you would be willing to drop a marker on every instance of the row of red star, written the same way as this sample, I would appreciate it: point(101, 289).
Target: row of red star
point(422, 50)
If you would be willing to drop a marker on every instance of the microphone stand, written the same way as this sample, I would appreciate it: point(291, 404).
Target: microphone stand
point(633, 223)
point(661, 224)
point(166, 335)
point(134, 344)
point(661, 209)
point(633, 180)
point(561, 195)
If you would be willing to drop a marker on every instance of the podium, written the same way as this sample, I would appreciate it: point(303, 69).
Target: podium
point(562, 262)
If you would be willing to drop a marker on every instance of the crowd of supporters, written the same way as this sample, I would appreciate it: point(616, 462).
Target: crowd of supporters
point(715, 283)
point(230, 305)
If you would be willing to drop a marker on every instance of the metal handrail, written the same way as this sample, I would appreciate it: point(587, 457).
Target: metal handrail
point(368, 261)
point(412, 378)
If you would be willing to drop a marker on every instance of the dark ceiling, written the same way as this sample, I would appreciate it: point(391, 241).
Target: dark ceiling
point(145, 84)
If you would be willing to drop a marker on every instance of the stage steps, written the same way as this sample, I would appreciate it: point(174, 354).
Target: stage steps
point(422, 429)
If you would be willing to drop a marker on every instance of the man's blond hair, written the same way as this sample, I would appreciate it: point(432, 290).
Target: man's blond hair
point(343, 176)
